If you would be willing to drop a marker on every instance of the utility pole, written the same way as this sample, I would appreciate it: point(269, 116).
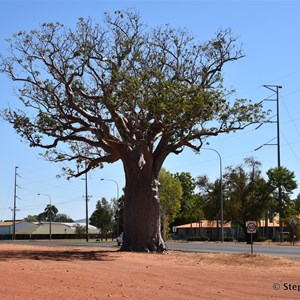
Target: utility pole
point(275, 89)
point(15, 205)
point(86, 209)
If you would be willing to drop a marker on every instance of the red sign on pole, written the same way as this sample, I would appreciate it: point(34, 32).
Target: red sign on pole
point(251, 228)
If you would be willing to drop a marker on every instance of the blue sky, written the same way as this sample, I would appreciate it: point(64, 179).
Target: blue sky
point(269, 32)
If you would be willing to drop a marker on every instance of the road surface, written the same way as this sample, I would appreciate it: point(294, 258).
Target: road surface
point(201, 247)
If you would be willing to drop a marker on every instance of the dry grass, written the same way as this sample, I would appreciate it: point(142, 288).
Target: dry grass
point(240, 259)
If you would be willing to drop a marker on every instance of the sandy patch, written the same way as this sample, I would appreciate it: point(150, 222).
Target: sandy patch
point(41, 272)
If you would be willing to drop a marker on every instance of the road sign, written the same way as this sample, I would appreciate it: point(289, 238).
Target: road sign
point(251, 226)
point(293, 222)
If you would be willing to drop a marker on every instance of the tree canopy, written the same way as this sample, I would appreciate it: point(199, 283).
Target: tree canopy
point(282, 181)
point(209, 197)
point(102, 217)
point(188, 196)
point(117, 86)
point(170, 194)
point(118, 90)
point(247, 194)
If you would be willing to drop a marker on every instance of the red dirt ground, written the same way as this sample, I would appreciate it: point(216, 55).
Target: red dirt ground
point(42, 272)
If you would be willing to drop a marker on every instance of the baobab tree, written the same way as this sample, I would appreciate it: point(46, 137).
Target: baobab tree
point(118, 90)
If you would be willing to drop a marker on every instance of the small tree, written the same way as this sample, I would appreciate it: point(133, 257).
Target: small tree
point(282, 181)
point(50, 212)
point(188, 194)
point(170, 193)
point(118, 214)
point(63, 218)
point(31, 218)
point(102, 216)
point(246, 193)
point(209, 193)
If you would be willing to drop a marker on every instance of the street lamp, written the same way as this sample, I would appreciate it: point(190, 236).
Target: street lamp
point(50, 218)
point(221, 193)
point(117, 199)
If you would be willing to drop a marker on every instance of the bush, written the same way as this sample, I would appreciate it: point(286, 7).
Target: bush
point(228, 239)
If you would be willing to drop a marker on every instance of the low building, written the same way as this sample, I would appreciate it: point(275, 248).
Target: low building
point(212, 229)
point(39, 230)
point(205, 228)
point(22, 227)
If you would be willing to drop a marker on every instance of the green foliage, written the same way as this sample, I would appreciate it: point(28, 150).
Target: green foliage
point(119, 86)
point(189, 201)
point(209, 194)
point(31, 218)
point(44, 217)
point(102, 216)
point(297, 204)
point(63, 218)
point(170, 193)
point(282, 178)
point(118, 214)
point(282, 181)
point(50, 212)
point(99, 93)
point(246, 193)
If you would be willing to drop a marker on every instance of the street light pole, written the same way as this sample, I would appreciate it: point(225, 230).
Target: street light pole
point(50, 217)
point(221, 193)
point(117, 199)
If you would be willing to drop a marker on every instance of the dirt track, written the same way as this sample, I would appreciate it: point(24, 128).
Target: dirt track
point(41, 272)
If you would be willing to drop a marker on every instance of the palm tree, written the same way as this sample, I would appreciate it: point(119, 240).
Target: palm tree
point(50, 212)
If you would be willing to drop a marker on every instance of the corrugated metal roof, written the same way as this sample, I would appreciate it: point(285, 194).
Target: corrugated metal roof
point(204, 224)
point(55, 229)
point(23, 227)
point(9, 223)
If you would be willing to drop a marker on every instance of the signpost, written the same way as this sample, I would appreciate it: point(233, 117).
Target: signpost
point(251, 228)
point(293, 223)
point(174, 230)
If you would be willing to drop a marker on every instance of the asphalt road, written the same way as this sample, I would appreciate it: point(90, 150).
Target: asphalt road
point(201, 247)
point(288, 251)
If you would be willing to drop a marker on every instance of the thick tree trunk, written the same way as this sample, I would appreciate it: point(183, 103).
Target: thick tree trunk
point(142, 230)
